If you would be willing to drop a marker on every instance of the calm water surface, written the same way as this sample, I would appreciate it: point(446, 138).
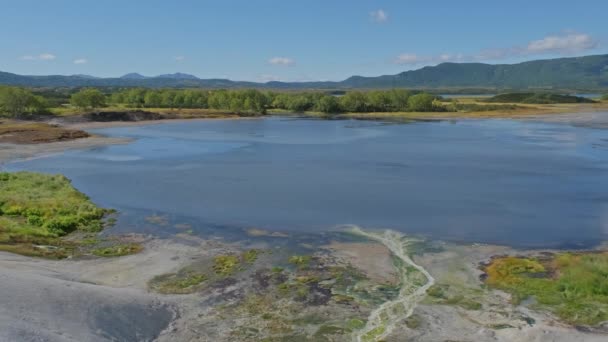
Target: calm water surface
point(497, 181)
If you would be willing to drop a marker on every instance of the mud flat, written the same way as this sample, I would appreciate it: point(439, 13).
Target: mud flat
point(194, 289)
point(43, 300)
point(461, 308)
point(10, 152)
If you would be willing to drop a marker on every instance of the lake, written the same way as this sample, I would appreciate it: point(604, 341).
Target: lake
point(522, 183)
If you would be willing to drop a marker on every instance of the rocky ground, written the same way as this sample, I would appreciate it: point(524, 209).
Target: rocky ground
point(191, 289)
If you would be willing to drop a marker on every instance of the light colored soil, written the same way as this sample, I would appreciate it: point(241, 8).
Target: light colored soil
point(13, 151)
point(373, 259)
point(498, 320)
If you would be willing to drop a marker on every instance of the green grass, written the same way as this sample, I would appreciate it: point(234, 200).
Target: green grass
point(355, 324)
point(178, 283)
point(572, 285)
point(226, 265)
point(117, 250)
point(300, 261)
point(251, 255)
point(538, 98)
point(39, 209)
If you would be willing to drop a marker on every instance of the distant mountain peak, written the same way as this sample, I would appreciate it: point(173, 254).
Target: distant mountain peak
point(133, 76)
point(588, 73)
point(178, 76)
point(85, 76)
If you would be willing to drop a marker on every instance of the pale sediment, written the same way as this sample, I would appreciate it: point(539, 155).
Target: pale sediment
point(11, 152)
point(382, 321)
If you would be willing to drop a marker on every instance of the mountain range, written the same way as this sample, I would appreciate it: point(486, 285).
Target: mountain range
point(584, 73)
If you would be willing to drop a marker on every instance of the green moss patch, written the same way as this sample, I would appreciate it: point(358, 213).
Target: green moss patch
point(178, 283)
point(574, 286)
point(117, 250)
point(38, 210)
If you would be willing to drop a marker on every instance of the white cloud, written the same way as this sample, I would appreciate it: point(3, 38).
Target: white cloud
point(43, 57)
point(179, 58)
point(46, 56)
point(564, 44)
point(284, 61)
point(410, 58)
point(378, 16)
point(81, 61)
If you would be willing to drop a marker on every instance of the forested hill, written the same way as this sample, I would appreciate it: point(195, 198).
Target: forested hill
point(589, 72)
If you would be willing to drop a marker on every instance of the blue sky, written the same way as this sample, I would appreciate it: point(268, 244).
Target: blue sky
point(289, 40)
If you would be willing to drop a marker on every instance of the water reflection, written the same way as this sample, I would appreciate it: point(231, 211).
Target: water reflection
point(499, 181)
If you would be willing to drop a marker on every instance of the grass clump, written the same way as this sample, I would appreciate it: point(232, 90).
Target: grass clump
point(251, 255)
point(538, 98)
point(355, 324)
point(300, 261)
point(373, 334)
point(572, 285)
point(225, 265)
point(329, 330)
point(38, 209)
point(177, 283)
point(117, 250)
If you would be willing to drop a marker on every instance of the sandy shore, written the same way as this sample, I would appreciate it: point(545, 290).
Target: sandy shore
point(9, 152)
point(100, 299)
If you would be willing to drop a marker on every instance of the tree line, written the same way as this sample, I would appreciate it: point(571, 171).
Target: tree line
point(256, 101)
point(16, 101)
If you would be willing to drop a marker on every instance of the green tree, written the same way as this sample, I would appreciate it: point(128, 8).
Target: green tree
point(153, 99)
point(16, 101)
point(299, 103)
point(379, 101)
point(88, 98)
point(421, 103)
point(280, 101)
point(167, 99)
point(327, 104)
point(398, 99)
point(354, 101)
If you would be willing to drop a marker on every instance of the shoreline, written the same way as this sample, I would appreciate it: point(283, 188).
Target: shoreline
point(111, 124)
point(122, 286)
point(11, 152)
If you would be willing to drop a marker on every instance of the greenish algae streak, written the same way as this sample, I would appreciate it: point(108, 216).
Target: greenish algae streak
point(383, 320)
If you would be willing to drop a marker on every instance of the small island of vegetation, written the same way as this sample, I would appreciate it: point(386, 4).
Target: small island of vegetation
point(574, 286)
point(38, 212)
